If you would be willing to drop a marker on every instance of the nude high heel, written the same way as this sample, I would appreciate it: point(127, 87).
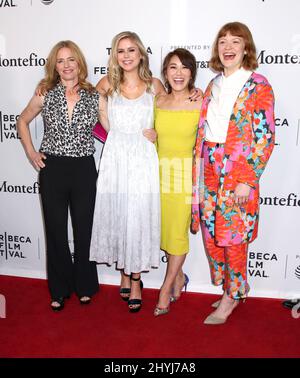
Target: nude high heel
point(214, 320)
point(161, 311)
point(216, 304)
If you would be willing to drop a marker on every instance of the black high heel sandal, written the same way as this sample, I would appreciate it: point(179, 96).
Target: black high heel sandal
point(84, 300)
point(60, 301)
point(137, 303)
point(125, 293)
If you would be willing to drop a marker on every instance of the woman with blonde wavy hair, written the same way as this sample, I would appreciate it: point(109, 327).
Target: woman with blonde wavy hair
point(67, 172)
point(52, 76)
point(126, 228)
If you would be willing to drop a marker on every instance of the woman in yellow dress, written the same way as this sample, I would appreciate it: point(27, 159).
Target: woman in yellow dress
point(176, 121)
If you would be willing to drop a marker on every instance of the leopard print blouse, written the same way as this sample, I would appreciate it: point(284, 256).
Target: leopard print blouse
point(65, 138)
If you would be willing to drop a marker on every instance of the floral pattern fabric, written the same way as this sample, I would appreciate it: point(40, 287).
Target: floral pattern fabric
point(249, 144)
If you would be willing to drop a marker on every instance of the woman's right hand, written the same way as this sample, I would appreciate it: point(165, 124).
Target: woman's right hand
point(36, 159)
point(150, 134)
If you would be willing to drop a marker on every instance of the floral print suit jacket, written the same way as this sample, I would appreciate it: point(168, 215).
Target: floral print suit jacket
point(249, 144)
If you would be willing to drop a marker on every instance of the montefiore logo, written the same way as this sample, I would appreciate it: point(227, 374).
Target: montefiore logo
point(5, 187)
point(291, 200)
point(33, 60)
point(266, 58)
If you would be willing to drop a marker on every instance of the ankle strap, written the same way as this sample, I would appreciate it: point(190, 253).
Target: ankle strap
point(135, 279)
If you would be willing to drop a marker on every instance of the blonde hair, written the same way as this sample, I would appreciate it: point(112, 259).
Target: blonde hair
point(116, 74)
point(239, 30)
point(52, 77)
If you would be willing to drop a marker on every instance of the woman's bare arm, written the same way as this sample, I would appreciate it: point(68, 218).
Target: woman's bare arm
point(33, 108)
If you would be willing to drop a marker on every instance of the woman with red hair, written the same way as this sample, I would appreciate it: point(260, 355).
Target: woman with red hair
point(234, 142)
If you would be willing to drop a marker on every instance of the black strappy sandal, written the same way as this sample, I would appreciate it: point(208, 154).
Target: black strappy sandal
point(137, 303)
point(84, 300)
point(125, 293)
point(61, 304)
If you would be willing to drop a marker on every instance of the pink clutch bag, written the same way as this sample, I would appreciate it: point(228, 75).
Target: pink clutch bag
point(99, 132)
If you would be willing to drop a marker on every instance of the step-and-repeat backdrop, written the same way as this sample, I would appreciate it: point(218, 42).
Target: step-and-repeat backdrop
point(29, 28)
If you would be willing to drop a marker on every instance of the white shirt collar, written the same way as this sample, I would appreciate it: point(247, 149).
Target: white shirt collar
point(235, 79)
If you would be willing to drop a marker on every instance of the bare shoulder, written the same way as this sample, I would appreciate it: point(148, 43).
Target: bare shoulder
point(159, 89)
point(36, 101)
point(33, 108)
point(161, 99)
point(102, 100)
point(103, 85)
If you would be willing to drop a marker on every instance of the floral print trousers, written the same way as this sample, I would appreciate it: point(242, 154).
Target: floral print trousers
point(228, 264)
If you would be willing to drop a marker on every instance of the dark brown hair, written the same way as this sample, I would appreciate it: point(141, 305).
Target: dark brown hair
point(239, 30)
point(187, 59)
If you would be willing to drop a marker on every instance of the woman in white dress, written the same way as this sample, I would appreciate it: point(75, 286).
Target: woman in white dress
point(126, 227)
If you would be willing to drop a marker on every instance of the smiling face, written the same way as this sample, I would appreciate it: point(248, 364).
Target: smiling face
point(177, 74)
point(128, 55)
point(66, 65)
point(231, 50)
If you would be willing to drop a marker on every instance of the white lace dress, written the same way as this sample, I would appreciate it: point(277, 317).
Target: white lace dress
point(126, 227)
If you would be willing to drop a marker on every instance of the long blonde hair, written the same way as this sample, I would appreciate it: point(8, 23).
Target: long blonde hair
point(116, 74)
point(52, 77)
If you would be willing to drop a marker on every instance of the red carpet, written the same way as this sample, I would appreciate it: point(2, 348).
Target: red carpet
point(105, 328)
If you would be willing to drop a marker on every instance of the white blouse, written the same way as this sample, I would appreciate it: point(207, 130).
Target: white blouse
point(225, 91)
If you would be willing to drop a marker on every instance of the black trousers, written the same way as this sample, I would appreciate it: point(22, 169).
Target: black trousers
point(68, 182)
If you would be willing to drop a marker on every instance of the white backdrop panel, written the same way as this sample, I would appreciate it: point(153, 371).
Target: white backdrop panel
point(29, 28)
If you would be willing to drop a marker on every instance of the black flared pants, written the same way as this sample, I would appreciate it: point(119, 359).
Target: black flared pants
point(69, 183)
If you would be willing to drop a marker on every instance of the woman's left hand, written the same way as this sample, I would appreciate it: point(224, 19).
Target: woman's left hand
point(150, 134)
point(241, 193)
point(196, 94)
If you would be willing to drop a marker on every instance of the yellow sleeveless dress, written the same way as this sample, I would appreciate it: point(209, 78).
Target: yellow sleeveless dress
point(176, 134)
